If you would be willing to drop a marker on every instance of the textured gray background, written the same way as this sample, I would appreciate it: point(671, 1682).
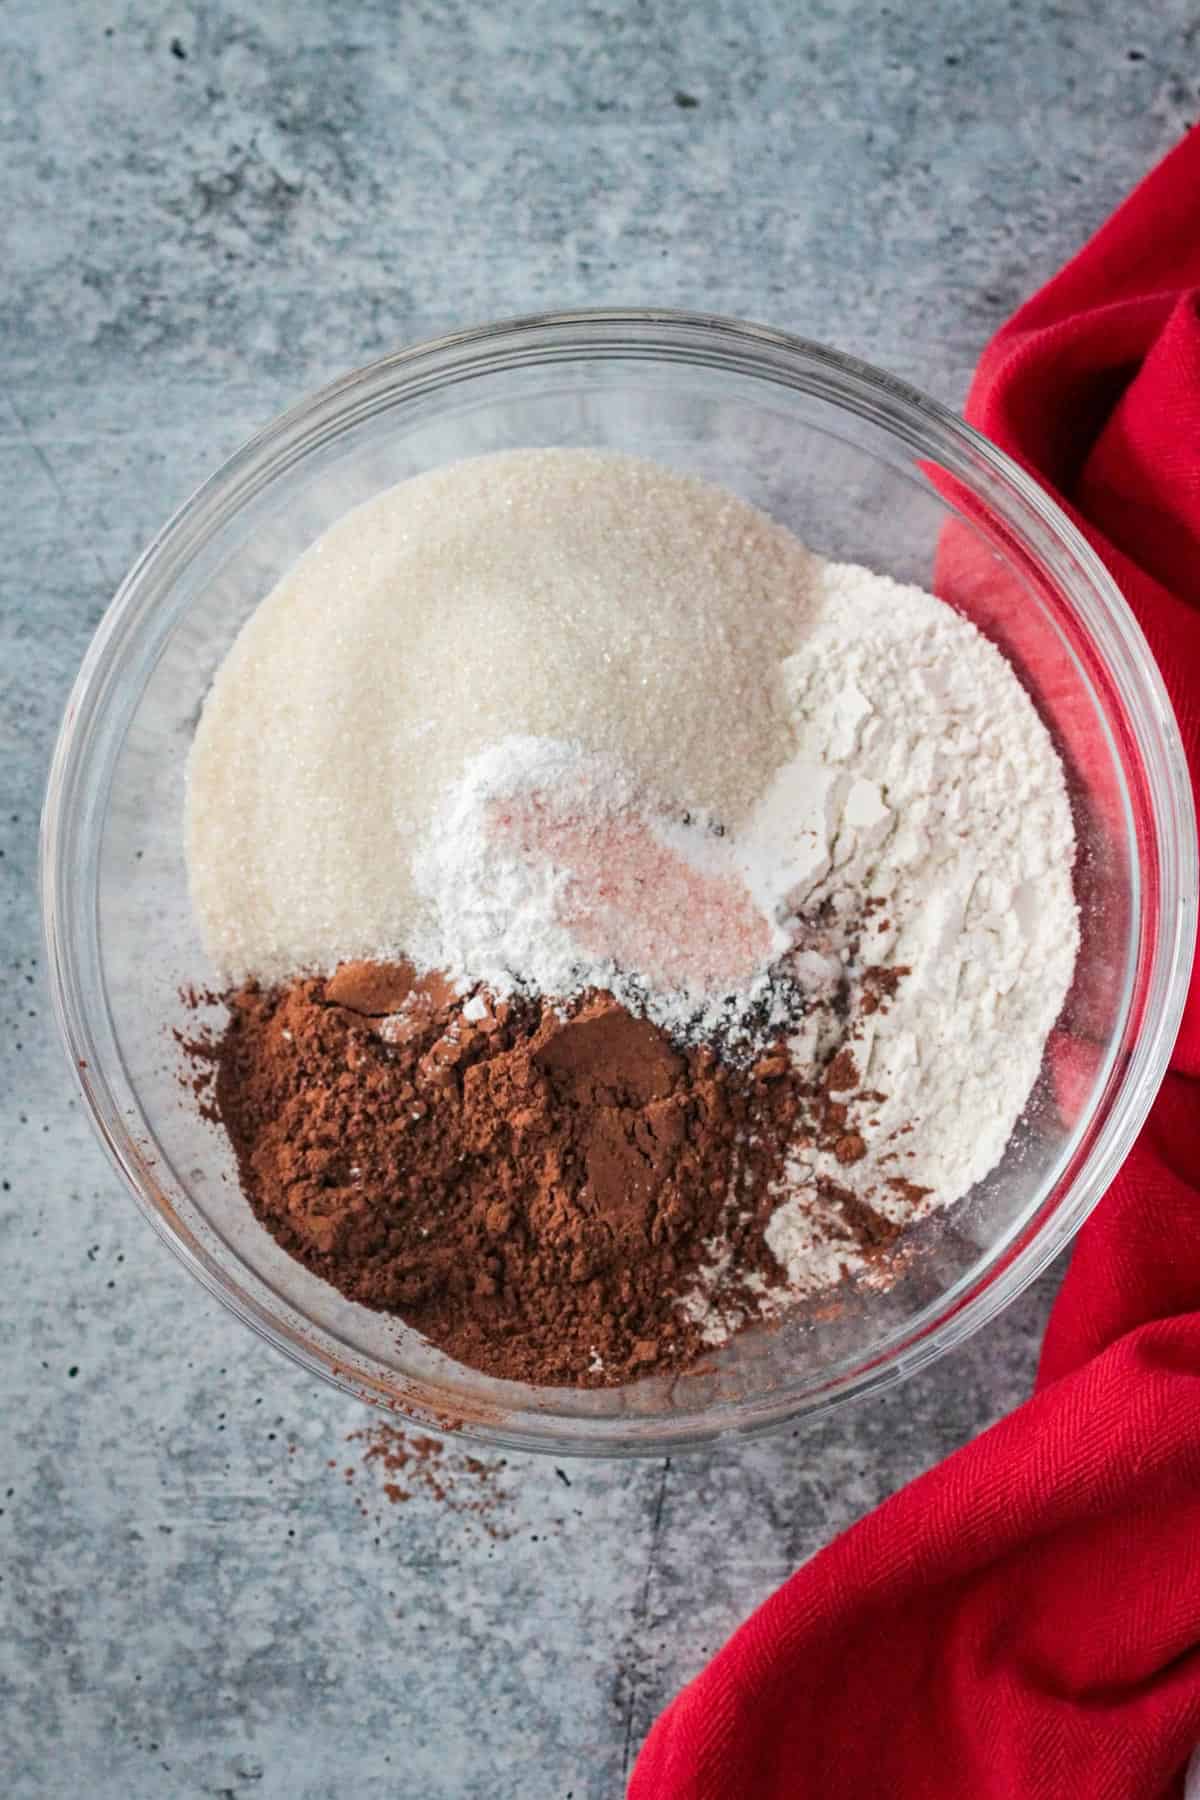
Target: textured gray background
point(206, 212)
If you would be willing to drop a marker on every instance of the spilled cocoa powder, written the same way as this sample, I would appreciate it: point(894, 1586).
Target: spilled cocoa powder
point(533, 1189)
point(413, 1466)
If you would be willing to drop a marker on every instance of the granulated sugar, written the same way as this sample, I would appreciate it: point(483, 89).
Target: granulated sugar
point(594, 599)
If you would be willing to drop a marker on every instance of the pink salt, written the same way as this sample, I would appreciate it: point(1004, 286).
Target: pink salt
point(634, 898)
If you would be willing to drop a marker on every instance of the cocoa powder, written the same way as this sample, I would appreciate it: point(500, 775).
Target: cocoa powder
point(413, 1466)
point(532, 1190)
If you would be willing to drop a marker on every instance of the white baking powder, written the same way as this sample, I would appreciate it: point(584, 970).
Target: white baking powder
point(547, 870)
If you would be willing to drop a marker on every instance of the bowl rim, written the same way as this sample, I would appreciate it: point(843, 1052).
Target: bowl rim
point(733, 345)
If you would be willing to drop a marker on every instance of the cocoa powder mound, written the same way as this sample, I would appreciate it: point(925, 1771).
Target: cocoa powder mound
point(533, 1192)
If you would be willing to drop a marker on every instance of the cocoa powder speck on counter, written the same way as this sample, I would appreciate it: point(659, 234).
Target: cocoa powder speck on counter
point(411, 1465)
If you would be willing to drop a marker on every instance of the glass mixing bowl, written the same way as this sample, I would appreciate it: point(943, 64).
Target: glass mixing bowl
point(862, 468)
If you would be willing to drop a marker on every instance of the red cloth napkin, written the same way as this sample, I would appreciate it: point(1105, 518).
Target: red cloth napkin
point(1024, 1620)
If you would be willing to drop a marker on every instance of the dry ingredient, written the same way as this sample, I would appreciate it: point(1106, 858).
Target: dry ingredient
point(548, 872)
point(533, 1192)
point(413, 1466)
point(601, 756)
point(595, 599)
point(969, 872)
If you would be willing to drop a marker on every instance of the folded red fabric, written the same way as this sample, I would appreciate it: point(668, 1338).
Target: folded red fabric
point(1024, 1620)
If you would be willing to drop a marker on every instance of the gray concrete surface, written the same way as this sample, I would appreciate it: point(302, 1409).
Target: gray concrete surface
point(205, 212)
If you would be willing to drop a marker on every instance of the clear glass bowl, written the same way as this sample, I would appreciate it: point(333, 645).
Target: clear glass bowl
point(862, 468)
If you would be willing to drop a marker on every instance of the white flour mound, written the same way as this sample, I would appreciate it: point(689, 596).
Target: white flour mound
point(973, 864)
point(553, 720)
point(968, 854)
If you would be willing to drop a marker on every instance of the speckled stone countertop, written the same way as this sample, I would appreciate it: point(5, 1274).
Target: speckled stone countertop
point(208, 211)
